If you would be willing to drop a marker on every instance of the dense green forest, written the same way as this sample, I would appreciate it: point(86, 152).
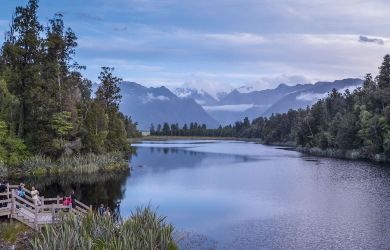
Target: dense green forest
point(46, 106)
point(355, 123)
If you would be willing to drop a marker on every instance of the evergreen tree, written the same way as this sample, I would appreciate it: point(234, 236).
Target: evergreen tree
point(109, 91)
point(383, 78)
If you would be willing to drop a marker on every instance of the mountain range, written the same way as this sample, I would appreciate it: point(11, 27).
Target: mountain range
point(159, 105)
point(184, 105)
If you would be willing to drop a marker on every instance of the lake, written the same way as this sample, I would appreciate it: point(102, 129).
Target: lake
point(242, 195)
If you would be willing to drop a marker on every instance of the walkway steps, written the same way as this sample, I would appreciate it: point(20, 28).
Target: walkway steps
point(36, 216)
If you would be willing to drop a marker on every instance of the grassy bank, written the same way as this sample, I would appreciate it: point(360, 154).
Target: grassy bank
point(14, 235)
point(143, 230)
point(354, 154)
point(40, 165)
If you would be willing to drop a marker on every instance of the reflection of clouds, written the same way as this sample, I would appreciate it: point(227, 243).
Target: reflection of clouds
point(271, 196)
point(190, 204)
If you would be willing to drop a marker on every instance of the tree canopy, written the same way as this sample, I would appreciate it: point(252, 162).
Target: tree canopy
point(46, 105)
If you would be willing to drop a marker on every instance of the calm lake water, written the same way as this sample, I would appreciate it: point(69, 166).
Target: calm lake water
point(241, 195)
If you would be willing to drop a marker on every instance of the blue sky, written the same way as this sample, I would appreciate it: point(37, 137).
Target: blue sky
point(221, 44)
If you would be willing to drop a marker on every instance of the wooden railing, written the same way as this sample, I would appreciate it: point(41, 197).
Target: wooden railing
point(36, 215)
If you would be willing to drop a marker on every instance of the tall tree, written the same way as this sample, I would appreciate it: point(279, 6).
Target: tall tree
point(383, 78)
point(22, 54)
point(109, 90)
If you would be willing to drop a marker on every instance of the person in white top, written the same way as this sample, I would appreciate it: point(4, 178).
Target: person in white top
point(35, 195)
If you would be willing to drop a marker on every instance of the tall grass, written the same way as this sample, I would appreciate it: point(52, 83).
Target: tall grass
point(88, 163)
point(143, 230)
point(10, 231)
point(3, 170)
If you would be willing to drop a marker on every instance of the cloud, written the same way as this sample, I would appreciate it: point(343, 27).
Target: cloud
point(120, 29)
point(311, 97)
point(235, 38)
point(150, 97)
point(88, 17)
point(255, 43)
point(231, 108)
point(366, 39)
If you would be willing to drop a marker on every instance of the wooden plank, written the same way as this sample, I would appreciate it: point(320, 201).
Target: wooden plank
point(82, 204)
point(80, 210)
point(23, 201)
point(53, 199)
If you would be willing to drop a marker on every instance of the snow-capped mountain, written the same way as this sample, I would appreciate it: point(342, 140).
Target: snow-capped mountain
point(158, 105)
point(200, 96)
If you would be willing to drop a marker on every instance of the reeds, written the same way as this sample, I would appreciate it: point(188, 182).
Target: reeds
point(10, 231)
point(143, 230)
point(3, 170)
point(88, 163)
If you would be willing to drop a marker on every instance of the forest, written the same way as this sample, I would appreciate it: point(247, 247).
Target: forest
point(46, 105)
point(352, 124)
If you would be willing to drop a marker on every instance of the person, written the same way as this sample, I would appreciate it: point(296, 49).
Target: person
point(107, 213)
point(67, 201)
point(73, 199)
point(101, 210)
point(35, 196)
point(21, 191)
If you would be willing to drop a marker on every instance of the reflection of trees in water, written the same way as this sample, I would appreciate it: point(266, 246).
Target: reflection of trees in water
point(174, 151)
point(133, 151)
point(93, 189)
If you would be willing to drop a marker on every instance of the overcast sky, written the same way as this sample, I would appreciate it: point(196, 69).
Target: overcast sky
point(220, 44)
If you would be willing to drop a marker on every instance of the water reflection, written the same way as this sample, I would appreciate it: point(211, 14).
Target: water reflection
point(247, 196)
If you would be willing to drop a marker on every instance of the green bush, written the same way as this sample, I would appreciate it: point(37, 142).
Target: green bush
point(143, 230)
point(3, 170)
point(88, 163)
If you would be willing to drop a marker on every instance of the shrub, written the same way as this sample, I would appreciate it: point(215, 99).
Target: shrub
point(37, 165)
point(88, 163)
point(10, 231)
point(3, 170)
point(143, 230)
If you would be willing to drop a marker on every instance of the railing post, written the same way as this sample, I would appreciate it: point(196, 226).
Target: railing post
point(8, 194)
point(36, 215)
point(58, 200)
point(52, 213)
point(13, 204)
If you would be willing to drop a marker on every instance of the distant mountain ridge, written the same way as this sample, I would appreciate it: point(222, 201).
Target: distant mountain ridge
point(236, 105)
point(310, 95)
point(159, 105)
point(200, 96)
point(184, 105)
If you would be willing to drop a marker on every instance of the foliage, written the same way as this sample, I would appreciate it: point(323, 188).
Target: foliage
point(9, 231)
point(85, 163)
point(62, 124)
point(46, 106)
point(108, 91)
point(143, 230)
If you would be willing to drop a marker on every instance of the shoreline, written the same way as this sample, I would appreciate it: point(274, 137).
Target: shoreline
point(38, 165)
point(166, 138)
point(352, 155)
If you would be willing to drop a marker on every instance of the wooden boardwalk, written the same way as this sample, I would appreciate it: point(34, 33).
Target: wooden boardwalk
point(36, 216)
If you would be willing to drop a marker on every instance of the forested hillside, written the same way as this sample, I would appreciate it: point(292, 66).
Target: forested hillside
point(45, 102)
point(355, 124)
